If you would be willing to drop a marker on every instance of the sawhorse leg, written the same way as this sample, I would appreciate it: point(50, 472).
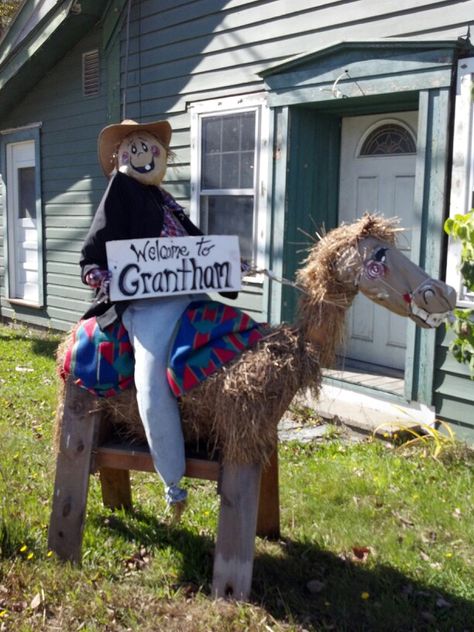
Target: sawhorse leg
point(233, 559)
point(80, 425)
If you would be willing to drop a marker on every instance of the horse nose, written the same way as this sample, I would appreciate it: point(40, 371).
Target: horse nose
point(436, 295)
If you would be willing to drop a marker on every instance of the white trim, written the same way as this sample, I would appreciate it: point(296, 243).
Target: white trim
point(22, 128)
point(374, 126)
point(257, 103)
point(462, 180)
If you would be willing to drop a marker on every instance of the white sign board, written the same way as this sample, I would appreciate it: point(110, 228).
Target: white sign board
point(145, 268)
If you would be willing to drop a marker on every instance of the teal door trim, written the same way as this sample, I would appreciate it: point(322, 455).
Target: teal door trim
point(421, 80)
point(278, 211)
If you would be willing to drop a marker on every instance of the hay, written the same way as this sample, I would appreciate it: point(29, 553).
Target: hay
point(237, 410)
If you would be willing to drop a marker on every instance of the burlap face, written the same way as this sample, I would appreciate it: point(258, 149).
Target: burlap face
point(141, 156)
point(387, 277)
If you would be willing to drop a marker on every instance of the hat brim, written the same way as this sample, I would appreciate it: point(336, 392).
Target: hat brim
point(112, 136)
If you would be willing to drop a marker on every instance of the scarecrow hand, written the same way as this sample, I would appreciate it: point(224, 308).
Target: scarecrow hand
point(245, 267)
point(97, 277)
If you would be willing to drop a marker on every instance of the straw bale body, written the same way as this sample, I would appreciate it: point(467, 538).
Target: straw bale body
point(237, 410)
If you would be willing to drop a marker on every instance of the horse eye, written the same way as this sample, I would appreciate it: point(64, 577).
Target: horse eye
point(379, 254)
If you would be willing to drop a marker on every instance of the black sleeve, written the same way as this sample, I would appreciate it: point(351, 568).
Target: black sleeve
point(110, 222)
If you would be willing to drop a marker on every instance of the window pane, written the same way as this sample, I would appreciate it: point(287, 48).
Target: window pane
point(26, 193)
point(231, 139)
point(232, 215)
point(389, 140)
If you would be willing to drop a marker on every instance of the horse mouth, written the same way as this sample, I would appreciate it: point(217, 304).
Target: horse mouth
point(148, 168)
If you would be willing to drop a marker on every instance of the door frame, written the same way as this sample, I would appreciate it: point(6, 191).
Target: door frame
point(378, 80)
point(7, 137)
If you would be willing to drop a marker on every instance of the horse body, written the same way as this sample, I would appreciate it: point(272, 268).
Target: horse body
point(238, 408)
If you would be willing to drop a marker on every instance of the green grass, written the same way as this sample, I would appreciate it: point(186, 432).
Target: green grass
point(372, 538)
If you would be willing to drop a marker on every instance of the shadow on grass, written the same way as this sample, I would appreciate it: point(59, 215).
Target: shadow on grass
point(351, 597)
point(147, 530)
point(346, 597)
point(45, 347)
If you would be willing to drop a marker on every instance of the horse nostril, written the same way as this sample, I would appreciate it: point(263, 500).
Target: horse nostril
point(428, 294)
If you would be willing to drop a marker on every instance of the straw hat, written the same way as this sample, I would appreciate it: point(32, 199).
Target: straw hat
point(111, 137)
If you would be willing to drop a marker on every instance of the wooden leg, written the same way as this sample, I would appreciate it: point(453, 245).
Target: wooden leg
point(268, 521)
point(77, 441)
point(116, 489)
point(233, 561)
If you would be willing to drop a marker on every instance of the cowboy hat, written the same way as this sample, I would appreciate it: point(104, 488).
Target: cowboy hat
point(111, 137)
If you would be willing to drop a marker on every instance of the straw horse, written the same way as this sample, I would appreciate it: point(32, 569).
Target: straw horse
point(238, 409)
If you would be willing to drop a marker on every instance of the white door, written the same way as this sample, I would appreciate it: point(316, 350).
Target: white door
point(23, 252)
point(378, 155)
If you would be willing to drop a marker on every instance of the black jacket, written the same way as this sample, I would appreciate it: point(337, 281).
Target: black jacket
point(128, 210)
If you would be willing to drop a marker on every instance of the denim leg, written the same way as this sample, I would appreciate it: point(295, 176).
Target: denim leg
point(150, 324)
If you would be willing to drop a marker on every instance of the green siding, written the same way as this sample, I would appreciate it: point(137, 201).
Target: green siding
point(453, 389)
point(71, 182)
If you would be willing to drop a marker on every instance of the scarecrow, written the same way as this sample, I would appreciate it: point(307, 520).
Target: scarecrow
point(135, 206)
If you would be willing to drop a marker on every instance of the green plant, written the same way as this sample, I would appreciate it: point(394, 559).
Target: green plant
point(461, 227)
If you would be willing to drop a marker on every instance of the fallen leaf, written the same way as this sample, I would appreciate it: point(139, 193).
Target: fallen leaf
point(36, 601)
point(361, 553)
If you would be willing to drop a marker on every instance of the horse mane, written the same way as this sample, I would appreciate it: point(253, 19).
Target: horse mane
point(326, 297)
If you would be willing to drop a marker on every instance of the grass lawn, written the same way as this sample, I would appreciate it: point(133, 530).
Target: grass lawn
point(373, 538)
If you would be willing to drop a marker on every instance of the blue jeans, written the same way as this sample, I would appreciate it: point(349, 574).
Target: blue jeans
point(150, 324)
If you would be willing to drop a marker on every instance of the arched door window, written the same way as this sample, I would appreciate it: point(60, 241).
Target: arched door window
point(388, 139)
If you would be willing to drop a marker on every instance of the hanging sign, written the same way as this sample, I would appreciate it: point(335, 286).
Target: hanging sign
point(145, 268)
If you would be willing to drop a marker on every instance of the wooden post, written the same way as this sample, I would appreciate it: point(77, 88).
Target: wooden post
point(268, 521)
point(233, 560)
point(116, 489)
point(80, 425)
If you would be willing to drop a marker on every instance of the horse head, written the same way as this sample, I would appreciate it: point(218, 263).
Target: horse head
point(376, 267)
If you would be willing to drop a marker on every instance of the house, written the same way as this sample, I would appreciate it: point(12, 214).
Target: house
point(287, 116)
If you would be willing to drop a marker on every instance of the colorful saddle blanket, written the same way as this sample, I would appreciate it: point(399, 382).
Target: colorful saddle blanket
point(208, 336)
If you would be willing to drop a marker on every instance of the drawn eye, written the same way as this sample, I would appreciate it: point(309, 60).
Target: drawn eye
point(144, 147)
point(379, 255)
point(133, 149)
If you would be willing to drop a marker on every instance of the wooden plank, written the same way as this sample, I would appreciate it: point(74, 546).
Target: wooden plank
point(79, 427)
point(268, 518)
point(233, 560)
point(116, 489)
point(123, 457)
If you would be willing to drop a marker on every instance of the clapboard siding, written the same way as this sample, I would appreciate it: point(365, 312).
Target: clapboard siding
point(181, 52)
point(188, 52)
point(70, 179)
point(453, 389)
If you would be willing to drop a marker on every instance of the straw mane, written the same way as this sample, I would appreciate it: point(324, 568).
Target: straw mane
point(237, 410)
point(327, 296)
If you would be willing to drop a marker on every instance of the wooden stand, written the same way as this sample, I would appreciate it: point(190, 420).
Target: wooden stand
point(249, 494)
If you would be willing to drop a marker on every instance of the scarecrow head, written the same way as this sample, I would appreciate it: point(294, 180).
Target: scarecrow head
point(139, 151)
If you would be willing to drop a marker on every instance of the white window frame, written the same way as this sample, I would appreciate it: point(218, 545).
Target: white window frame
point(9, 137)
point(263, 144)
point(462, 181)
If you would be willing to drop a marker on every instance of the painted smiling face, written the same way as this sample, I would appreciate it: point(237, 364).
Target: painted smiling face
point(141, 156)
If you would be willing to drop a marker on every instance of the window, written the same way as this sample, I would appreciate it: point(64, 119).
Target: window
point(388, 140)
point(23, 215)
point(462, 180)
point(229, 166)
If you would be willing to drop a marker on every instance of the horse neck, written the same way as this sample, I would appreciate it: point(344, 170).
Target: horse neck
point(321, 319)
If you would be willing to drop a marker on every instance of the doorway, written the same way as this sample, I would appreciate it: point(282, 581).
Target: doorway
point(377, 174)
